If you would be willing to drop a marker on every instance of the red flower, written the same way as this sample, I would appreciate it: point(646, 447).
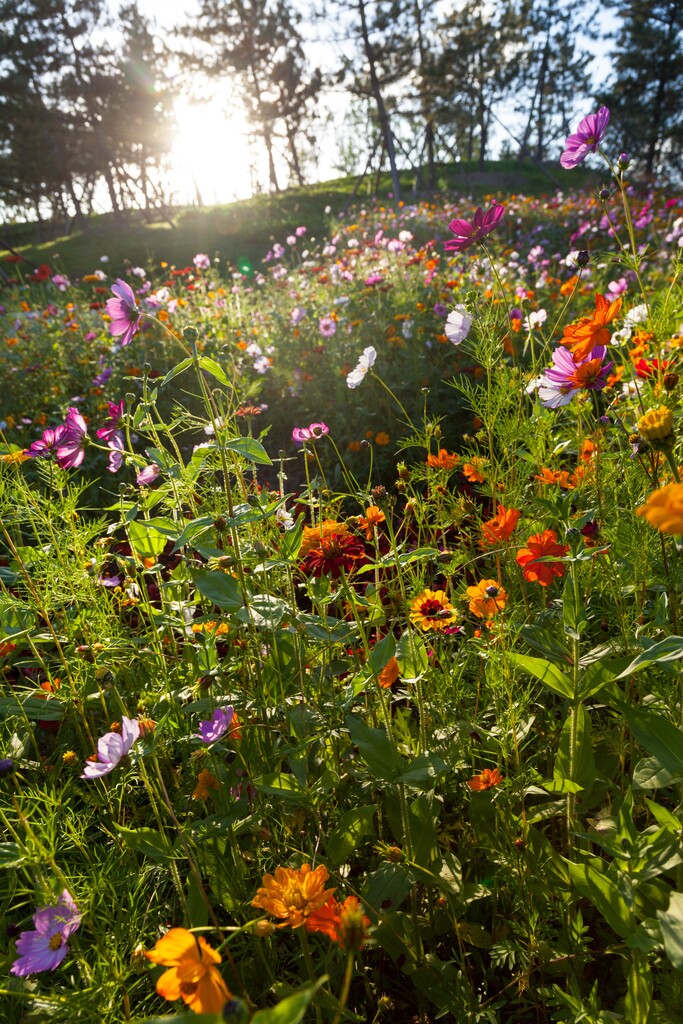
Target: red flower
point(487, 779)
point(336, 554)
point(542, 545)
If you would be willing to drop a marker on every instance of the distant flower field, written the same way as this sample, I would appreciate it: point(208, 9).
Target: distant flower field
point(340, 639)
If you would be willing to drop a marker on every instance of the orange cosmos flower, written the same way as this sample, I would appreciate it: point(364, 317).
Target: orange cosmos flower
point(542, 545)
point(431, 610)
point(444, 460)
point(472, 470)
point(500, 528)
point(487, 779)
point(344, 923)
point(314, 534)
point(588, 332)
point(389, 674)
point(192, 975)
point(487, 598)
point(372, 518)
point(292, 894)
point(664, 509)
point(205, 783)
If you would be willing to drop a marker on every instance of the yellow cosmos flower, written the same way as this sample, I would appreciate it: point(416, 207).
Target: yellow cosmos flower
point(664, 509)
point(292, 894)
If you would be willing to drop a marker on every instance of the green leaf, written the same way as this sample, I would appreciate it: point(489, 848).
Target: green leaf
point(290, 1010)
point(670, 649)
point(649, 774)
point(175, 370)
point(32, 707)
point(249, 448)
point(671, 923)
point(584, 762)
point(146, 541)
point(146, 841)
point(573, 613)
point(11, 855)
point(549, 674)
point(603, 894)
point(423, 772)
point(376, 749)
point(545, 643)
point(352, 826)
point(381, 653)
point(388, 886)
point(411, 656)
point(638, 999)
point(282, 785)
point(265, 611)
point(186, 1018)
point(212, 367)
point(657, 734)
point(221, 588)
point(600, 676)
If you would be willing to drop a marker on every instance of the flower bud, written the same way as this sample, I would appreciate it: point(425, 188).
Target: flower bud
point(582, 258)
point(623, 161)
point(604, 194)
point(670, 381)
point(6, 766)
point(190, 334)
point(657, 426)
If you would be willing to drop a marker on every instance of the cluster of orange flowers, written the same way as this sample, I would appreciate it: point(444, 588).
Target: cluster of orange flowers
point(589, 332)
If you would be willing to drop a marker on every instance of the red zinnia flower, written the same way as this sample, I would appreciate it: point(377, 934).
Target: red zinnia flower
point(336, 554)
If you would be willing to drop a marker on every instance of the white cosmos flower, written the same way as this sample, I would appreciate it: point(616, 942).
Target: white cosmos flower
point(637, 315)
point(458, 324)
point(366, 360)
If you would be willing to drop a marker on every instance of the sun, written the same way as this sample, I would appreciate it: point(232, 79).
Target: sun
point(212, 160)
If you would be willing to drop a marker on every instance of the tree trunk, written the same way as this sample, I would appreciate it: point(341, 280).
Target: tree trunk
point(382, 115)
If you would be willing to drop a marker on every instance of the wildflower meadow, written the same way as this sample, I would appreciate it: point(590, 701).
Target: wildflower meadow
point(340, 621)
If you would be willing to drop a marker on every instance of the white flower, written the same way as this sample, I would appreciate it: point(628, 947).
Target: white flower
point(637, 315)
point(535, 319)
point(366, 360)
point(458, 324)
point(284, 517)
point(407, 329)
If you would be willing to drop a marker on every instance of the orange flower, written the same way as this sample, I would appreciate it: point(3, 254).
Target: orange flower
point(344, 923)
point(487, 779)
point(382, 438)
point(205, 783)
point(314, 534)
point(664, 509)
point(211, 627)
point(548, 476)
point(444, 460)
point(472, 470)
point(568, 287)
point(372, 518)
point(542, 545)
point(292, 894)
point(587, 332)
point(431, 610)
point(500, 528)
point(192, 975)
point(487, 598)
point(389, 674)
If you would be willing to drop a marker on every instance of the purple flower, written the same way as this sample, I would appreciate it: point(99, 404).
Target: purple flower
point(45, 948)
point(327, 326)
point(559, 383)
point(124, 313)
point(47, 444)
point(468, 232)
point(213, 728)
point(147, 475)
point(71, 449)
point(298, 313)
point(112, 748)
point(61, 282)
point(311, 433)
point(113, 425)
point(586, 138)
point(115, 452)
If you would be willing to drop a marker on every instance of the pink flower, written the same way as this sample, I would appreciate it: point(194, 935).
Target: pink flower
point(586, 138)
point(213, 728)
point(124, 313)
point(327, 326)
point(147, 475)
point(113, 425)
point(71, 448)
point(558, 384)
point(48, 443)
point(112, 748)
point(201, 261)
point(312, 433)
point(45, 948)
point(468, 232)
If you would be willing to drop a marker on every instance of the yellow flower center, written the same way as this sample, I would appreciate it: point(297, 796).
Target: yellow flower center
point(56, 941)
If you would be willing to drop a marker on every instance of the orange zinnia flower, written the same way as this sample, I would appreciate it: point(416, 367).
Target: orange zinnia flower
point(487, 779)
point(389, 674)
point(500, 528)
point(192, 975)
point(314, 534)
point(444, 460)
point(293, 894)
point(588, 332)
point(542, 545)
point(344, 923)
point(664, 509)
point(487, 598)
point(372, 518)
point(431, 610)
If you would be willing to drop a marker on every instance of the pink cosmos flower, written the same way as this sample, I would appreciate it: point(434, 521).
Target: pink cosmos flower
point(124, 313)
point(327, 326)
point(147, 475)
point(586, 138)
point(213, 728)
point(558, 384)
point(468, 232)
point(71, 448)
point(298, 313)
point(312, 433)
point(113, 425)
point(47, 444)
point(45, 948)
point(112, 748)
point(201, 261)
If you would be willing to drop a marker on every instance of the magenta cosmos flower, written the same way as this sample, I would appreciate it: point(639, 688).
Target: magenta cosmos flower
point(586, 138)
point(45, 948)
point(124, 313)
point(71, 447)
point(312, 433)
point(468, 232)
point(112, 748)
point(559, 383)
point(213, 728)
point(47, 444)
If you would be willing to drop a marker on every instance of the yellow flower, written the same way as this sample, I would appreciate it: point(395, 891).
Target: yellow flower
point(432, 610)
point(657, 424)
point(193, 976)
point(664, 509)
point(487, 598)
point(292, 894)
